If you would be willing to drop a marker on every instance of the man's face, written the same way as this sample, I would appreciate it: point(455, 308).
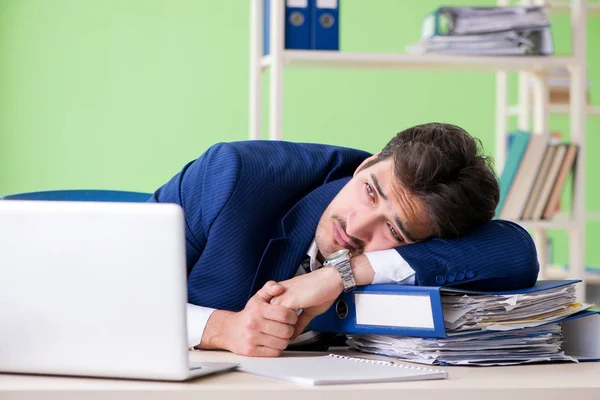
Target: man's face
point(372, 212)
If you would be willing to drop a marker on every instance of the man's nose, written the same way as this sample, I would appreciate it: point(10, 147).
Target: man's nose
point(360, 225)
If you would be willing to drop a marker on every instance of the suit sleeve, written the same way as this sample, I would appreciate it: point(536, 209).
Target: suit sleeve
point(202, 189)
point(501, 255)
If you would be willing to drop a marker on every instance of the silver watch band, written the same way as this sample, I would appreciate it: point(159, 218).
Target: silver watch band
point(345, 270)
point(341, 261)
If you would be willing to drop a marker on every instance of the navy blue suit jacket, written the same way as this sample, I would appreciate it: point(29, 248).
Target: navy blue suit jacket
point(252, 208)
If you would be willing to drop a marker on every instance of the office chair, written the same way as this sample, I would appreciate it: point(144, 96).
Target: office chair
point(82, 195)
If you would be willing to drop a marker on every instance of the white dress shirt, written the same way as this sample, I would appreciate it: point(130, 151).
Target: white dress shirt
point(389, 267)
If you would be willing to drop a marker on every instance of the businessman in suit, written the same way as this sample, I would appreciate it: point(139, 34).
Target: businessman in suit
point(262, 217)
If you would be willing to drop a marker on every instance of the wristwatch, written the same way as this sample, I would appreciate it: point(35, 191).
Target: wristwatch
point(340, 260)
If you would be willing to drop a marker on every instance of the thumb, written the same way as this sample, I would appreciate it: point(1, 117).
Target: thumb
point(303, 320)
point(270, 290)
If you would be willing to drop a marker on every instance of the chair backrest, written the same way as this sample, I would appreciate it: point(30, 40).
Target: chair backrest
point(82, 195)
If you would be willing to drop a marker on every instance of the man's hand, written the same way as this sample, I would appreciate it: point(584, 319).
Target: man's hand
point(259, 330)
point(314, 293)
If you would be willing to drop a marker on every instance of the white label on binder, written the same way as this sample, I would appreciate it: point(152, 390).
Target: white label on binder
point(327, 4)
point(410, 311)
point(297, 3)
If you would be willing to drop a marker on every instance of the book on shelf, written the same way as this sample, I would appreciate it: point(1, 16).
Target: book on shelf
point(534, 176)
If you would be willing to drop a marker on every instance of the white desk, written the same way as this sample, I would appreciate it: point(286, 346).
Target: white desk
point(531, 382)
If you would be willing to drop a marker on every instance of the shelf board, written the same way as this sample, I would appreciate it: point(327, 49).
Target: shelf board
point(551, 224)
point(559, 109)
point(593, 8)
point(593, 216)
point(337, 59)
point(562, 220)
point(553, 272)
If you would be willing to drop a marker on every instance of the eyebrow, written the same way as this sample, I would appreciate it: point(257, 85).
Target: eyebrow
point(401, 226)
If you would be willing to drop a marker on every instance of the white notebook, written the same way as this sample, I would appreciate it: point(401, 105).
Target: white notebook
point(334, 369)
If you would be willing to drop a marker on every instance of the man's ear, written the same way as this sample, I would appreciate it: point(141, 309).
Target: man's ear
point(366, 160)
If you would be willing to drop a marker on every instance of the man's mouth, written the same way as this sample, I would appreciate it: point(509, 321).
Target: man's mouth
point(342, 238)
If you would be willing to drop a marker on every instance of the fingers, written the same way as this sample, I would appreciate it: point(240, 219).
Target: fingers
point(277, 329)
point(281, 314)
point(303, 321)
point(272, 342)
point(285, 300)
point(261, 351)
point(269, 290)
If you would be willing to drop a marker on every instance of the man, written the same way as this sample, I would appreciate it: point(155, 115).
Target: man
point(261, 212)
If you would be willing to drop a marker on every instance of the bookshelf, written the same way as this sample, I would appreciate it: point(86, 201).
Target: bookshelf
point(525, 66)
point(533, 115)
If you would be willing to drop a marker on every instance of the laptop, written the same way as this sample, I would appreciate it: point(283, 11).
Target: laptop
point(95, 289)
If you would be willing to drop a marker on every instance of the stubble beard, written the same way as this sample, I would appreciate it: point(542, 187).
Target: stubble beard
point(324, 242)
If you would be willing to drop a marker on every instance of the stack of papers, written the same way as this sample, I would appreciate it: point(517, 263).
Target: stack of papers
point(486, 31)
point(487, 329)
point(476, 20)
point(528, 345)
point(468, 313)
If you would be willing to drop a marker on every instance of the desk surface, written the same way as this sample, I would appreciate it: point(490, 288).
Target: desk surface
point(550, 381)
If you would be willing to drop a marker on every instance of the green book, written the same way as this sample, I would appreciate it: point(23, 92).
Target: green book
point(518, 144)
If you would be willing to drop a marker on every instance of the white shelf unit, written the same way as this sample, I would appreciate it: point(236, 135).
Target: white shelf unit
point(532, 115)
point(535, 66)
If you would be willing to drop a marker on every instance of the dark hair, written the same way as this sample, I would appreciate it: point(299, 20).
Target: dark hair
point(443, 165)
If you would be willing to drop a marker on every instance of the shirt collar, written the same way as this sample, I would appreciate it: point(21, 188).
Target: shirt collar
point(312, 252)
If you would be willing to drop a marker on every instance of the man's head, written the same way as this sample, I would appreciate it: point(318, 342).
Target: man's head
point(430, 180)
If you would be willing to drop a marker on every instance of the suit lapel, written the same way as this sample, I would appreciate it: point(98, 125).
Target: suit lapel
point(285, 251)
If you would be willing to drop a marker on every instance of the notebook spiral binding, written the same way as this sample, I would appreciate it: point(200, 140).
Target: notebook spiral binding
point(387, 363)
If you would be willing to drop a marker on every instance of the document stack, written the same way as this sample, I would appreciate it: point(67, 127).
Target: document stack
point(445, 326)
point(527, 345)
point(514, 30)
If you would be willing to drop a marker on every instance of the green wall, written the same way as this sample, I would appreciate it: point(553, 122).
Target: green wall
point(122, 93)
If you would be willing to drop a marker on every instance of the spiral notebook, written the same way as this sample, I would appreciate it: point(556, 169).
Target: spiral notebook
point(335, 369)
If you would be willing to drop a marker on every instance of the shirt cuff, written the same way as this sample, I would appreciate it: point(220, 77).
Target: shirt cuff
point(197, 317)
point(390, 267)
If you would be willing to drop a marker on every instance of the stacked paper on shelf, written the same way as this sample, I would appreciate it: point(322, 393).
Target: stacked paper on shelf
point(486, 31)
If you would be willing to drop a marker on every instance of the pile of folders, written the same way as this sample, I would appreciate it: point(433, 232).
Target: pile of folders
point(515, 30)
point(447, 326)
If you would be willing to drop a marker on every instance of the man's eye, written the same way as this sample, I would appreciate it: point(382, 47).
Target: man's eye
point(370, 191)
point(395, 234)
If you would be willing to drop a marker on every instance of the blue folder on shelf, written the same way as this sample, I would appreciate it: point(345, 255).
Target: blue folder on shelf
point(402, 310)
point(325, 25)
point(297, 25)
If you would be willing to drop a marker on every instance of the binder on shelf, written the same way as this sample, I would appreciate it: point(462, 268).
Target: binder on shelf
point(296, 27)
point(325, 25)
point(415, 311)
